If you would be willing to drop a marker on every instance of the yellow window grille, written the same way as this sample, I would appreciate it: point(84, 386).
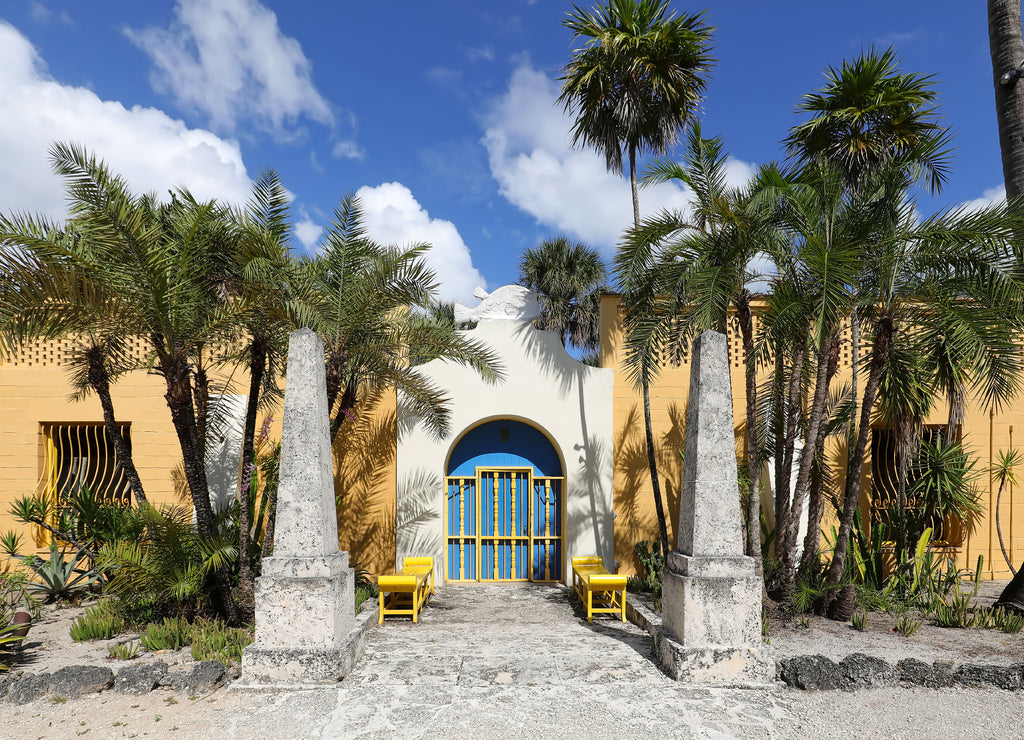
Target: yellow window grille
point(77, 456)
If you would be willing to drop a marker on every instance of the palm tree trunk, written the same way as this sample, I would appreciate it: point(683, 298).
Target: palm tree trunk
point(784, 471)
point(633, 187)
point(746, 322)
point(652, 464)
point(257, 367)
point(99, 381)
point(851, 498)
point(1007, 51)
point(815, 421)
point(816, 504)
point(179, 399)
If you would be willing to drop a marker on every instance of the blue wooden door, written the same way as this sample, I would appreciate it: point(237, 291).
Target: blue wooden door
point(504, 506)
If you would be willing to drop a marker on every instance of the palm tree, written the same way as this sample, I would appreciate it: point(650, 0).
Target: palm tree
point(365, 300)
point(265, 268)
point(635, 83)
point(698, 266)
point(953, 273)
point(569, 279)
point(811, 296)
point(870, 113)
point(1007, 51)
point(49, 288)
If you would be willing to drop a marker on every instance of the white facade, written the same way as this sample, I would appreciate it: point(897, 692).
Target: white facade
point(545, 387)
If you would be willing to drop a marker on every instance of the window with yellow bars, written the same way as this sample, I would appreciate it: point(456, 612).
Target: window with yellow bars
point(77, 456)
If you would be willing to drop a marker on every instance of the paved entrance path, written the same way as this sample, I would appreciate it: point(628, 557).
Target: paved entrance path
point(509, 661)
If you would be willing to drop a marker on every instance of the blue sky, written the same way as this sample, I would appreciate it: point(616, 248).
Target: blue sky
point(439, 114)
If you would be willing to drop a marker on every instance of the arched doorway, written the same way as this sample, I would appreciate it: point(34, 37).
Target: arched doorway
point(504, 505)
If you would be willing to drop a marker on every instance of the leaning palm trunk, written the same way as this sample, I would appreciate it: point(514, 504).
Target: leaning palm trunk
point(99, 381)
point(1004, 33)
point(815, 423)
point(753, 534)
point(851, 497)
point(257, 366)
point(816, 502)
point(652, 464)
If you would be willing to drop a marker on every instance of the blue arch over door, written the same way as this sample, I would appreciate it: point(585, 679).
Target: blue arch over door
point(504, 523)
point(504, 443)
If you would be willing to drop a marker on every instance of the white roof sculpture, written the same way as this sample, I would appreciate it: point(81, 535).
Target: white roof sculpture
point(507, 303)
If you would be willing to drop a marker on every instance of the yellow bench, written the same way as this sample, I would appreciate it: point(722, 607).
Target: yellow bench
point(600, 591)
point(410, 588)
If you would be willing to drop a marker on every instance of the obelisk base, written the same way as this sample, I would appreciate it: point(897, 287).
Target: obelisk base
point(711, 628)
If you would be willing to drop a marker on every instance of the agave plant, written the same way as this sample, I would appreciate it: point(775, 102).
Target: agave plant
point(59, 579)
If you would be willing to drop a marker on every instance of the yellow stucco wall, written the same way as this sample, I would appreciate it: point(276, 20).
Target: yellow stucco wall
point(34, 390)
point(635, 520)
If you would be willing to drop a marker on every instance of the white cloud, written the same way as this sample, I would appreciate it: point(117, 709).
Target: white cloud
point(347, 150)
point(228, 58)
point(531, 156)
point(308, 232)
point(393, 216)
point(991, 196)
point(151, 150)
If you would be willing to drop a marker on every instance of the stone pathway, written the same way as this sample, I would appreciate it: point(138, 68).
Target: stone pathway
point(511, 661)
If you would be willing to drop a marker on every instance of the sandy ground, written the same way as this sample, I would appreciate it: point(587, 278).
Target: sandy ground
point(509, 661)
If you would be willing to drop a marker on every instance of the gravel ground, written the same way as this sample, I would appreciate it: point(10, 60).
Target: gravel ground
point(519, 661)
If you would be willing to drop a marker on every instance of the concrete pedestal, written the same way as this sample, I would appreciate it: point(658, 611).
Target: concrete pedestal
point(711, 629)
point(306, 631)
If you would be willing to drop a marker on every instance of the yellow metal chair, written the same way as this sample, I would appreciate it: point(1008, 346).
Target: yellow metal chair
point(600, 591)
point(409, 589)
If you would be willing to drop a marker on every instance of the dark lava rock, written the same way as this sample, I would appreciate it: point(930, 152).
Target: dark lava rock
point(203, 678)
point(1002, 677)
point(29, 688)
point(918, 673)
point(76, 680)
point(139, 679)
point(863, 671)
point(812, 672)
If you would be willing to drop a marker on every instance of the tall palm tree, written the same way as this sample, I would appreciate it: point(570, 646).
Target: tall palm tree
point(568, 278)
point(953, 273)
point(1007, 51)
point(871, 116)
point(635, 82)
point(265, 266)
point(48, 290)
point(364, 299)
point(699, 266)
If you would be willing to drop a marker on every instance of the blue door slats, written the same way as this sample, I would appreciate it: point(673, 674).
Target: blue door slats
point(504, 524)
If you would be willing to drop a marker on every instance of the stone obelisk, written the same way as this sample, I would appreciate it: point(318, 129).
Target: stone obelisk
point(711, 600)
point(305, 602)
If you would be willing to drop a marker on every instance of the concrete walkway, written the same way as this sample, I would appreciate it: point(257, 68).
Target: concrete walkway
point(504, 661)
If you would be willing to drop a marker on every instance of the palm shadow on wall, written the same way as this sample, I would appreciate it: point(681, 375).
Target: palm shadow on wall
point(364, 464)
point(634, 502)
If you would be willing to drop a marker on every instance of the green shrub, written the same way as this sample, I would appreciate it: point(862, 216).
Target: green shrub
point(859, 620)
point(60, 579)
point(214, 641)
point(954, 610)
point(908, 623)
point(99, 622)
point(1008, 621)
point(123, 650)
point(364, 592)
point(168, 634)
point(652, 563)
